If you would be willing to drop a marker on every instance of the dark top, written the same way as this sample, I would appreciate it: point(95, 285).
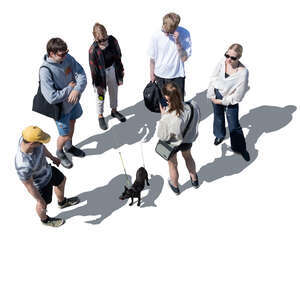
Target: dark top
point(98, 63)
point(109, 54)
point(226, 75)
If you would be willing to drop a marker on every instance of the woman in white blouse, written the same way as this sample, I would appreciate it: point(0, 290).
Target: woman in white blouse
point(227, 87)
point(174, 120)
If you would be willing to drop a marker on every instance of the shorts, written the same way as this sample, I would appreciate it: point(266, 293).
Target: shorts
point(63, 124)
point(183, 147)
point(56, 179)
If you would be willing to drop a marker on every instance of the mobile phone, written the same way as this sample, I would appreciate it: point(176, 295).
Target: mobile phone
point(163, 102)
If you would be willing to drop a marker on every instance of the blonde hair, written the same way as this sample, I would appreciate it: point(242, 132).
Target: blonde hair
point(99, 31)
point(171, 90)
point(170, 22)
point(237, 48)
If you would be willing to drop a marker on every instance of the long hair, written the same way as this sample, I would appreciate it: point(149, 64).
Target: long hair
point(175, 103)
point(99, 31)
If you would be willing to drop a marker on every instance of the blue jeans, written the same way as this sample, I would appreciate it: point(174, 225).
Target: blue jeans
point(63, 124)
point(237, 138)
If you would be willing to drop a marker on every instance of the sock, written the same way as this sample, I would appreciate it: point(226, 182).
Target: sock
point(68, 145)
point(62, 202)
point(59, 153)
point(46, 220)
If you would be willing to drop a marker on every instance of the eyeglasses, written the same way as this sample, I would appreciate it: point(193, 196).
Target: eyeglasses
point(62, 54)
point(102, 41)
point(231, 57)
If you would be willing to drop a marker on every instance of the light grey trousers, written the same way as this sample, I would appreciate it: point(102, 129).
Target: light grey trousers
point(112, 86)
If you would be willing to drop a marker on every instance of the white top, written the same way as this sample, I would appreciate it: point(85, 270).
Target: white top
point(171, 126)
point(163, 51)
point(233, 88)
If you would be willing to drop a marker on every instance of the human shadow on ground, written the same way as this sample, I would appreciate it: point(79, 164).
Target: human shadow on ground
point(260, 120)
point(103, 201)
point(140, 126)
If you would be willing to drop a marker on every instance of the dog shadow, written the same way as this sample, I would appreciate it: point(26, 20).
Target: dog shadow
point(260, 120)
point(103, 201)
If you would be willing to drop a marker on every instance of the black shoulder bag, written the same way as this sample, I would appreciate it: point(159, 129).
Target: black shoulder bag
point(164, 148)
point(152, 96)
point(42, 106)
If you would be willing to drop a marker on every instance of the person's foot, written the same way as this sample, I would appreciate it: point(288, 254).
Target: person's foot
point(64, 159)
point(76, 152)
point(102, 123)
point(246, 155)
point(173, 188)
point(53, 222)
point(195, 183)
point(68, 202)
point(119, 116)
point(218, 141)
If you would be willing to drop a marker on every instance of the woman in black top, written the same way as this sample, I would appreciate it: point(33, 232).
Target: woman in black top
point(107, 71)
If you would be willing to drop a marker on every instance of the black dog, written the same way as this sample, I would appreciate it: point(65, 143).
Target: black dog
point(135, 190)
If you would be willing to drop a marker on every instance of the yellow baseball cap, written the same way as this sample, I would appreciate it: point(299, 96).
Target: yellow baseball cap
point(34, 134)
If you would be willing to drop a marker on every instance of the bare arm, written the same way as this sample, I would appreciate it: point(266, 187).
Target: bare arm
point(152, 65)
point(182, 53)
point(54, 159)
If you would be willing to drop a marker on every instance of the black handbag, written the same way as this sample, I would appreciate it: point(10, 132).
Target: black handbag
point(152, 96)
point(42, 106)
point(164, 148)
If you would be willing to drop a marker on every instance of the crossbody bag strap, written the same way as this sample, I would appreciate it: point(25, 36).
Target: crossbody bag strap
point(51, 74)
point(190, 120)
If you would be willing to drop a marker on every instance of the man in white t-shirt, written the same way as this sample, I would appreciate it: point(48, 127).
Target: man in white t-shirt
point(169, 49)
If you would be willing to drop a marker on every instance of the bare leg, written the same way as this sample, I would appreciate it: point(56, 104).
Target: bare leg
point(173, 170)
point(72, 127)
point(61, 140)
point(60, 190)
point(41, 211)
point(190, 163)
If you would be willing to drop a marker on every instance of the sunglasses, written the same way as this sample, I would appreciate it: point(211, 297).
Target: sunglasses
point(62, 54)
point(231, 57)
point(102, 41)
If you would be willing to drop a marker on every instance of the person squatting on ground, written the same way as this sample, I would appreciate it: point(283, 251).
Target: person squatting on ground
point(107, 71)
point(66, 87)
point(228, 86)
point(38, 176)
point(174, 119)
point(169, 49)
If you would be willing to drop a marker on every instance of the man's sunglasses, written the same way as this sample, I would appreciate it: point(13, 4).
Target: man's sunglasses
point(231, 57)
point(102, 41)
point(62, 54)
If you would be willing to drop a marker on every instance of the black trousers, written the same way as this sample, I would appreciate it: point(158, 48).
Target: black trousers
point(179, 81)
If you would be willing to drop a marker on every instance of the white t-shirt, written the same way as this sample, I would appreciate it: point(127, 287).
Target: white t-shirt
point(163, 51)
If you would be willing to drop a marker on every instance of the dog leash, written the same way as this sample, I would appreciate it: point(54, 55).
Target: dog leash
point(128, 181)
point(142, 155)
point(127, 178)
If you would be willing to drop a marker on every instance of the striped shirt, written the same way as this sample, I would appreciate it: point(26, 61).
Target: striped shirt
point(33, 165)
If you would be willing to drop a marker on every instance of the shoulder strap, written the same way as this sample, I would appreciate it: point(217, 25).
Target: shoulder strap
point(190, 120)
point(51, 74)
point(49, 71)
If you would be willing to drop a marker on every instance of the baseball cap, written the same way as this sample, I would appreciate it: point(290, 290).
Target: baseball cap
point(35, 134)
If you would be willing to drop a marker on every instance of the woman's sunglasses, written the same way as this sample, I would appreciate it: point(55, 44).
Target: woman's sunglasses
point(231, 57)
